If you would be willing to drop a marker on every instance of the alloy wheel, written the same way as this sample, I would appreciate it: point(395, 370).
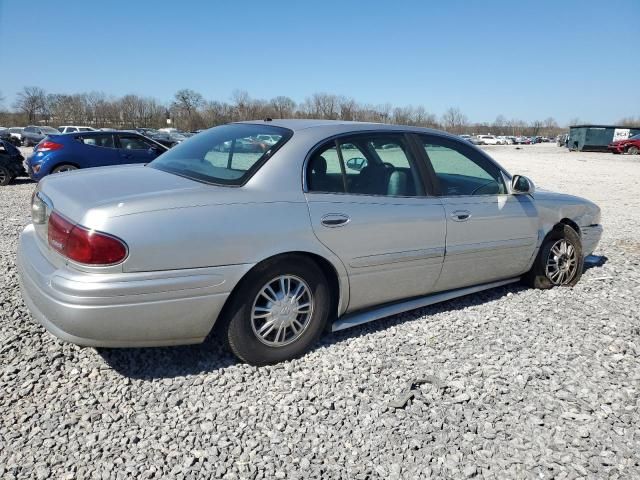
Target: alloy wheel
point(282, 311)
point(562, 263)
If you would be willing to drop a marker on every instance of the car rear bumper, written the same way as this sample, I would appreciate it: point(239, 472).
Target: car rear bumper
point(590, 238)
point(122, 309)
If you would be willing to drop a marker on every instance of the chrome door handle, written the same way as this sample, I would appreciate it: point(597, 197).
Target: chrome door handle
point(332, 220)
point(461, 215)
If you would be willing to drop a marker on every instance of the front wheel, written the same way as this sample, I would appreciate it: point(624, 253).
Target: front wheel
point(278, 311)
point(559, 262)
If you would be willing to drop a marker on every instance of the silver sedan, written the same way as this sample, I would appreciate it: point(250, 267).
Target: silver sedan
point(328, 225)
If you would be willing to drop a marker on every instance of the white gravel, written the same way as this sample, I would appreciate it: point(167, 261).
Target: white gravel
point(530, 384)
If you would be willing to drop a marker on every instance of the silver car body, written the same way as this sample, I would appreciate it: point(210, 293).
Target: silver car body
point(190, 244)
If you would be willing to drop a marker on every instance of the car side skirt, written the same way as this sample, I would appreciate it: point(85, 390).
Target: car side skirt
point(358, 318)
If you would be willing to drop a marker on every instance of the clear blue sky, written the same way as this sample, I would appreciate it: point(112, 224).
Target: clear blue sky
point(527, 60)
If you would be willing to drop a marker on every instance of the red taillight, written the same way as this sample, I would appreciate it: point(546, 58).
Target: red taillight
point(48, 145)
point(83, 245)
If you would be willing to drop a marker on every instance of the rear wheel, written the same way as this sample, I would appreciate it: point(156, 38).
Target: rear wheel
point(64, 168)
point(5, 176)
point(559, 262)
point(278, 311)
point(633, 150)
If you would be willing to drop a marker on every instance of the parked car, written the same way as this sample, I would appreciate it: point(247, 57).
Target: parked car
point(273, 247)
point(5, 134)
point(74, 128)
point(163, 138)
point(16, 132)
point(523, 140)
point(630, 145)
point(10, 162)
point(71, 151)
point(32, 134)
point(489, 140)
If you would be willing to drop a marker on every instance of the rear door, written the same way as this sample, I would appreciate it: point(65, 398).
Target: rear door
point(134, 148)
point(369, 204)
point(491, 234)
point(98, 150)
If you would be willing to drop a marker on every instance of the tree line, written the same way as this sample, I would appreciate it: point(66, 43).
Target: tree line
point(189, 110)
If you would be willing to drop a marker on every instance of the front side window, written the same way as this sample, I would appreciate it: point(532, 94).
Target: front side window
point(134, 142)
point(365, 165)
point(228, 154)
point(460, 170)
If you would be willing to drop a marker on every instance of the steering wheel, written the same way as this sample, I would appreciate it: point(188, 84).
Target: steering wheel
point(483, 185)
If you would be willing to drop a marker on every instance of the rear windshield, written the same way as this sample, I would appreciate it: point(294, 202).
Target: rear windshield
point(226, 155)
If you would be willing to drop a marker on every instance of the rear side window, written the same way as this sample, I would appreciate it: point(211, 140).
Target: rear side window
point(380, 165)
point(227, 155)
point(105, 141)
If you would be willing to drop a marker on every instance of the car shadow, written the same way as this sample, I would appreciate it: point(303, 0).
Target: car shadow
point(20, 181)
point(592, 261)
point(212, 354)
point(168, 362)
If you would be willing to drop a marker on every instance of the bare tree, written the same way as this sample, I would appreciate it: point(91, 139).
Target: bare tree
point(284, 107)
point(629, 122)
point(31, 101)
point(184, 107)
point(453, 120)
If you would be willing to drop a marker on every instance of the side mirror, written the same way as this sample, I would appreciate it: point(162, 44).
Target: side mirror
point(521, 185)
point(356, 163)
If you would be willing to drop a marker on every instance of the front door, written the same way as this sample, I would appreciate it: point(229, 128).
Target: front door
point(491, 234)
point(368, 204)
point(136, 149)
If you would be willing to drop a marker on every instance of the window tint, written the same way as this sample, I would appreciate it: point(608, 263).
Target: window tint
point(71, 129)
point(105, 141)
point(228, 154)
point(84, 129)
point(365, 165)
point(325, 172)
point(462, 171)
point(134, 142)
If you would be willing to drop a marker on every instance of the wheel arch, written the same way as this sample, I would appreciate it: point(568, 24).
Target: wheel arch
point(338, 284)
point(570, 223)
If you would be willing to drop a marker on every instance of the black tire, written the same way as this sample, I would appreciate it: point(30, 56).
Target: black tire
point(5, 176)
point(538, 277)
point(237, 326)
point(65, 167)
point(633, 150)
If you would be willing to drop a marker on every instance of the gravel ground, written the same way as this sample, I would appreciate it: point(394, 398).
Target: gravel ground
point(521, 383)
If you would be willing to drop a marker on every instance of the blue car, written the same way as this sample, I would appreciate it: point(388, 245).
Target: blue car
point(71, 151)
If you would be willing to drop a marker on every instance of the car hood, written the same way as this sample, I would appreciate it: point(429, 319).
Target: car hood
point(90, 196)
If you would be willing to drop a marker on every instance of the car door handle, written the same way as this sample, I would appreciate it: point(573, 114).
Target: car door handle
point(461, 215)
point(335, 220)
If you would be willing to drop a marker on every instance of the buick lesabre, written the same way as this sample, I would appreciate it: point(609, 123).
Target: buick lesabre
point(329, 225)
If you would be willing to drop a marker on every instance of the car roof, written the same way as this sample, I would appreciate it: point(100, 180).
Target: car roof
point(339, 126)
